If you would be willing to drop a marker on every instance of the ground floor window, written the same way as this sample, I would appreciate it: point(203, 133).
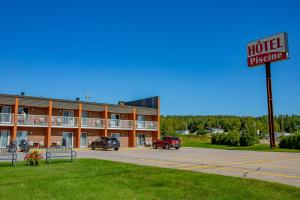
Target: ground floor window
point(116, 135)
point(4, 138)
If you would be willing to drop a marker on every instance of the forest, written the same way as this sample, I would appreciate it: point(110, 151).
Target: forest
point(199, 124)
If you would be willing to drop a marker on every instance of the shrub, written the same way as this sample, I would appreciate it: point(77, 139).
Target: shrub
point(230, 138)
point(290, 141)
point(248, 139)
point(33, 158)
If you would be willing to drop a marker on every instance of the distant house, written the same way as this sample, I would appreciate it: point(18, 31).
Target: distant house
point(183, 132)
point(214, 130)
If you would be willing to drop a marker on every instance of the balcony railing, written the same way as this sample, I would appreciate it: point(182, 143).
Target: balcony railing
point(146, 125)
point(92, 123)
point(32, 120)
point(6, 119)
point(62, 121)
point(120, 124)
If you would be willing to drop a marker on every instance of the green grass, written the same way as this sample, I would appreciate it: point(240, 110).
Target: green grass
point(204, 142)
point(99, 179)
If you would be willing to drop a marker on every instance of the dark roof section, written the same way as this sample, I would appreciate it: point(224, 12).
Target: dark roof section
point(151, 102)
point(7, 99)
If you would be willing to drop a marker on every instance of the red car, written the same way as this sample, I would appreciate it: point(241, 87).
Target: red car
point(167, 142)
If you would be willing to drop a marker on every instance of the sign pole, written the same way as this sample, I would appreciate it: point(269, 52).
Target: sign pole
point(270, 105)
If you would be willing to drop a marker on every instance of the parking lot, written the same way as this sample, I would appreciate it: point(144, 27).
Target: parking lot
point(269, 166)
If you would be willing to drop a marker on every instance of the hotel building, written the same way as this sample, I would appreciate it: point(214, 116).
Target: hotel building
point(57, 122)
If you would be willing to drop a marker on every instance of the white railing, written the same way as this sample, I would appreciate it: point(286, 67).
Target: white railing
point(120, 124)
point(6, 119)
point(148, 125)
point(32, 120)
point(62, 121)
point(92, 123)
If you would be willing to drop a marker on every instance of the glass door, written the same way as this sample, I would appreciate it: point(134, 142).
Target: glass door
point(84, 118)
point(68, 117)
point(141, 140)
point(21, 135)
point(4, 138)
point(83, 140)
point(115, 122)
point(67, 139)
point(5, 112)
point(141, 121)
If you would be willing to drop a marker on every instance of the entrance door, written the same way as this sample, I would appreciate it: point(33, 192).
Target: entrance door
point(84, 118)
point(21, 135)
point(115, 120)
point(5, 114)
point(141, 121)
point(83, 140)
point(4, 139)
point(67, 139)
point(141, 140)
point(68, 118)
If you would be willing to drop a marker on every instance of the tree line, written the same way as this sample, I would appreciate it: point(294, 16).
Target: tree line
point(199, 124)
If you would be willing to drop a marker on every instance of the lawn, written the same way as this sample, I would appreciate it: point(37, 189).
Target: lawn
point(99, 179)
point(204, 142)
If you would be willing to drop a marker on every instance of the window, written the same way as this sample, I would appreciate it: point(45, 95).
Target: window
point(22, 110)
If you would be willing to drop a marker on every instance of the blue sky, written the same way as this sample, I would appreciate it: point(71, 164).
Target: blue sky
point(190, 53)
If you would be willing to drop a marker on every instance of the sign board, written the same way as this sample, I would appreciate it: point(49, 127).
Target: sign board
point(267, 50)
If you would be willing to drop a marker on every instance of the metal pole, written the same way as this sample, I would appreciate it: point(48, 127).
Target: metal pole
point(270, 105)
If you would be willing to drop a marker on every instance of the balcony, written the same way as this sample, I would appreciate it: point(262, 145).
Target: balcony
point(95, 123)
point(32, 120)
point(64, 122)
point(146, 125)
point(120, 124)
point(6, 119)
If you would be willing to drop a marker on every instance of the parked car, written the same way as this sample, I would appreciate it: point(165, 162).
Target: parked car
point(167, 142)
point(106, 143)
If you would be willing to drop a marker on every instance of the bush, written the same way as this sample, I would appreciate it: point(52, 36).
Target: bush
point(248, 139)
point(290, 142)
point(230, 138)
point(33, 158)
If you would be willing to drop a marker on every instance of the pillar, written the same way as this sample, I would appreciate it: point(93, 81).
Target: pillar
point(48, 136)
point(132, 134)
point(15, 125)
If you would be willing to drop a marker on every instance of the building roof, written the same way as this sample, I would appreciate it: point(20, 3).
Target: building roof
point(9, 99)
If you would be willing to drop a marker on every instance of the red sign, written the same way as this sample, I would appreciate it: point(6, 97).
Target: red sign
point(269, 49)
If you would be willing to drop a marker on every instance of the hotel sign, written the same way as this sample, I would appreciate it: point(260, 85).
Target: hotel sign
point(267, 50)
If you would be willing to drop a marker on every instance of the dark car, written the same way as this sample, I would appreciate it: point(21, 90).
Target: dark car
point(106, 143)
point(167, 142)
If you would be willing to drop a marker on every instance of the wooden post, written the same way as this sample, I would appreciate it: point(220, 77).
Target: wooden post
point(15, 127)
point(106, 121)
point(79, 125)
point(132, 134)
point(270, 105)
point(48, 137)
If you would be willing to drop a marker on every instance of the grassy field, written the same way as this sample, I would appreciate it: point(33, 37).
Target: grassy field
point(204, 142)
point(98, 179)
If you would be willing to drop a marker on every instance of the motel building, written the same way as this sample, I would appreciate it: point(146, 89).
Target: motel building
point(50, 122)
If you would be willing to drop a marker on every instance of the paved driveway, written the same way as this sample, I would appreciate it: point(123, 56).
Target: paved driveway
point(269, 166)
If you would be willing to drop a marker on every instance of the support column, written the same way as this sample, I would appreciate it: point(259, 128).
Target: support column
point(79, 125)
point(15, 127)
point(106, 121)
point(156, 134)
point(48, 137)
point(132, 135)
